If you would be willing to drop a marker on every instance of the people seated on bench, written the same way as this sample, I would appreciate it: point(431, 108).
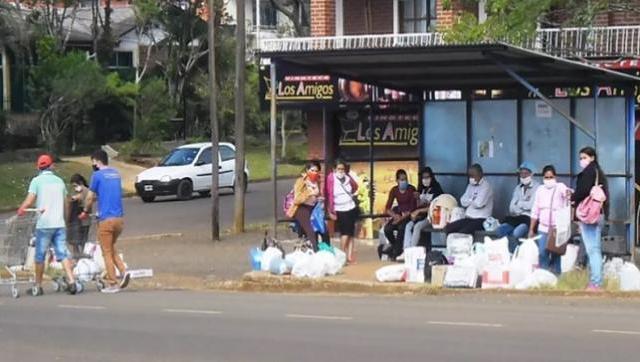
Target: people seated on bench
point(405, 196)
point(428, 189)
point(516, 225)
point(549, 198)
point(477, 201)
point(306, 194)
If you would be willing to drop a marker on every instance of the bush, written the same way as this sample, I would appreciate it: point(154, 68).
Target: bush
point(3, 131)
point(153, 112)
point(130, 150)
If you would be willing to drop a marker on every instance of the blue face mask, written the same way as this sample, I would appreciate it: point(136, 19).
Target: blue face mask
point(403, 185)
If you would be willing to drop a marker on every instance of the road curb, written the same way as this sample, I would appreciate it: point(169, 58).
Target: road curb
point(153, 237)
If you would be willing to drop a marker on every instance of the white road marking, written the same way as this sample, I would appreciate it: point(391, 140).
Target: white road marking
point(87, 307)
point(609, 331)
point(322, 317)
point(466, 324)
point(191, 311)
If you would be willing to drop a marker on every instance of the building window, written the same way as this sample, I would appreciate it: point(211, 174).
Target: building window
point(121, 60)
point(268, 15)
point(417, 16)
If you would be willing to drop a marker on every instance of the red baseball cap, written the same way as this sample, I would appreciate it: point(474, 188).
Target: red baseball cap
point(44, 162)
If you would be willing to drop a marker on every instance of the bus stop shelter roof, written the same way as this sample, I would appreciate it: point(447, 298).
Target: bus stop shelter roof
point(445, 67)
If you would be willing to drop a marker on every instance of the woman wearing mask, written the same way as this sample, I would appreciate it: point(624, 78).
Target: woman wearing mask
point(428, 189)
point(591, 234)
point(549, 198)
point(405, 196)
point(78, 229)
point(306, 196)
point(341, 196)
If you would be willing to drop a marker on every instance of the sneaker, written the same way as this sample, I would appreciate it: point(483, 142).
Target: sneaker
point(125, 280)
point(400, 258)
point(111, 290)
point(593, 288)
point(72, 288)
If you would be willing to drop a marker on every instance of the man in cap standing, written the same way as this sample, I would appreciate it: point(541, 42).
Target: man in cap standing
point(516, 225)
point(48, 192)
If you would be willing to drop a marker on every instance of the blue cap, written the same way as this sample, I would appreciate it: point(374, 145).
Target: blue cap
point(529, 166)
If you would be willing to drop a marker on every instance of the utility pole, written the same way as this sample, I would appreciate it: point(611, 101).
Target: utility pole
point(238, 214)
point(213, 109)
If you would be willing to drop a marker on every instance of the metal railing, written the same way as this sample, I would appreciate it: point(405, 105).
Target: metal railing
point(564, 42)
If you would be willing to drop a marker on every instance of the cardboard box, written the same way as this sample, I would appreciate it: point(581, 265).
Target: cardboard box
point(438, 273)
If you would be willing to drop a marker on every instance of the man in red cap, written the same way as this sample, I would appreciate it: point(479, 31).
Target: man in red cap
point(48, 192)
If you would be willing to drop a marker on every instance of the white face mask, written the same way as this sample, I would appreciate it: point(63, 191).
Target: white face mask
point(426, 182)
point(550, 183)
point(340, 174)
point(473, 181)
point(525, 180)
point(584, 163)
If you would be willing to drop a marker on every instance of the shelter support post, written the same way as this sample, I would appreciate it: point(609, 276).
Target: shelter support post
point(371, 162)
point(274, 162)
point(539, 94)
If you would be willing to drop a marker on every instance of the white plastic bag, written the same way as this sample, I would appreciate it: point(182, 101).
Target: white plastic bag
point(269, 254)
point(414, 262)
point(98, 258)
point(302, 266)
point(461, 276)
point(90, 249)
point(292, 258)
point(568, 260)
point(85, 270)
point(459, 245)
point(279, 267)
point(391, 273)
point(497, 251)
point(629, 277)
point(528, 252)
point(479, 257)
point(519, 270)
point(538, 278)
point(341, 257)
point(331, 264)
point(612, 268)
point(563, 225)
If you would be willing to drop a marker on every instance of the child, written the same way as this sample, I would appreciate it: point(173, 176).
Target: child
point(78, 229)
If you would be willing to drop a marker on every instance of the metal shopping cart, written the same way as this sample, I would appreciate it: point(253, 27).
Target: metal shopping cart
point(16, 235)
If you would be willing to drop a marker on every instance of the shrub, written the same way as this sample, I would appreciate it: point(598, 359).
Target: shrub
point(153, 112)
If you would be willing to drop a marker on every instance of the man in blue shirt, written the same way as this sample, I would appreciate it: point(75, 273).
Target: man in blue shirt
point(106, 187)
point(48, 192)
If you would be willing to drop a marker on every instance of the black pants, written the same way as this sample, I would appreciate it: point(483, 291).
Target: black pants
point(465, 226)
point(517, 220)
point(303, 217)
point(397, 242)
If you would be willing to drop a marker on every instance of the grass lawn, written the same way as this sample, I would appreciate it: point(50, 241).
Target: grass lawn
point(259, 158)
point(15, 178)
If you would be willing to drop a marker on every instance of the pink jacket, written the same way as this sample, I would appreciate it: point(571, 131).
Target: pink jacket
point(542, 204)
point(329, 191)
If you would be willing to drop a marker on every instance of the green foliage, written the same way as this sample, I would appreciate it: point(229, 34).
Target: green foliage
point(137, 148)
point(3, 130)
point(153, 111)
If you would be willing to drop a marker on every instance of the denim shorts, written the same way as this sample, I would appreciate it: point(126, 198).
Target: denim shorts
point(45, 238)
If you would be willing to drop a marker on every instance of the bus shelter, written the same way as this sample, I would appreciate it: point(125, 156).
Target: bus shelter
point(450, 106)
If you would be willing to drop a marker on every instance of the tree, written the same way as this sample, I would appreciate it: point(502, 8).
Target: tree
point(55, 19)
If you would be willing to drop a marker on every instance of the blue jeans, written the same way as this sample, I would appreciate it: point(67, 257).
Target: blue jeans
point(412, 232)
point(513, 233)
point(548, 261)
point(591, 237)
point(46, 237)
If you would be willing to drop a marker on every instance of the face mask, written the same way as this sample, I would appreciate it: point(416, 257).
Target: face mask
point(426, 182)
point(340, 175)
point(313, 176)
point(472, 181)
point(525, 180)
point(585, 162)
point(403, 185)
point(550, 183)
point(78, 188)
point(95, 168)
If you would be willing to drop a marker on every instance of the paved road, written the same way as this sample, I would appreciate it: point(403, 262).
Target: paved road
point(189, 326)
point(168, 215)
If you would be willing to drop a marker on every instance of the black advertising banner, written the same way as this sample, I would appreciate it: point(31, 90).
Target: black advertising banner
point(396, 133)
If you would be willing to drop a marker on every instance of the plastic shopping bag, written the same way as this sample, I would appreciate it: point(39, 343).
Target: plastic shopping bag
point(497, 251)
point(255, 256)
point(568, 260)
point(563, 225)
point(317, 219)
point(269, 254)
point(459, 245)
point(391, 273)
point(279, 267)
point(629, 277)
point(528, 252)
point(414, 262)
point(537, 279)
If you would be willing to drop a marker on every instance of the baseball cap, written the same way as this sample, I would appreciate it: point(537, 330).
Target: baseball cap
point(528, 165)
point(44, 162)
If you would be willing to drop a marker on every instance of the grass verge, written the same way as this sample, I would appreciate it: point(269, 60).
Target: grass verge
point(15, 178)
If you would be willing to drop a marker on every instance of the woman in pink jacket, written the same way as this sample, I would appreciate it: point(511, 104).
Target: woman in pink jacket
point(549, 198)
point(340, 193)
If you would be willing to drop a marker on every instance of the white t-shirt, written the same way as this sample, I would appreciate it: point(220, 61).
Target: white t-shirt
point(342, 195)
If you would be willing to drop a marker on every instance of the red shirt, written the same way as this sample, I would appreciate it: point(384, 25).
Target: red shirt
point(406, 200)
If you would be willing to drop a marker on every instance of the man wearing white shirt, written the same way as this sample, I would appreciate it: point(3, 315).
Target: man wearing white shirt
point(477, 201)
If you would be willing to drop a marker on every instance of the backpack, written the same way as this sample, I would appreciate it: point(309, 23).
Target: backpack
point(288, 203)
point(589, 210)
point(433, 258)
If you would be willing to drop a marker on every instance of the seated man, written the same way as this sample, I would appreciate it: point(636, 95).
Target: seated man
point(516, 225)
point(405, 196)
point(477, 201)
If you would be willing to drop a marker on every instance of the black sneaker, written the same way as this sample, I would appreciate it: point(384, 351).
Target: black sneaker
point(72, 288)
point(125, 280)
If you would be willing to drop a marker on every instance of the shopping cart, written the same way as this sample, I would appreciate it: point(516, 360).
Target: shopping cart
point(16, 235)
